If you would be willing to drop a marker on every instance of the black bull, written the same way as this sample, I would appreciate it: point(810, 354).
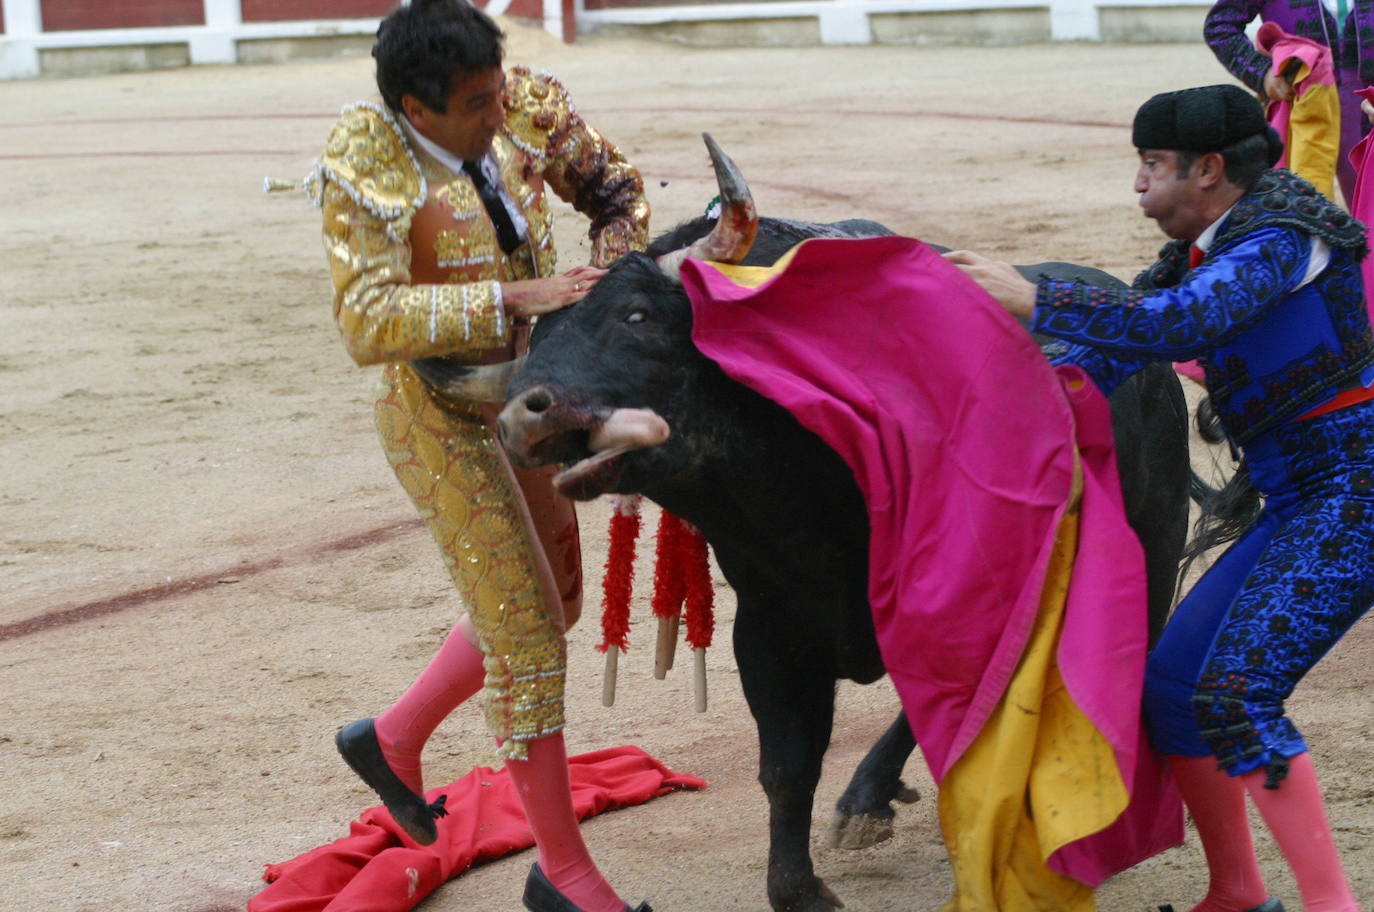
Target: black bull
point(783, 513)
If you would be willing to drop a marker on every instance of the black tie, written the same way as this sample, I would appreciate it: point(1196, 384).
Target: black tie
point(505, 228)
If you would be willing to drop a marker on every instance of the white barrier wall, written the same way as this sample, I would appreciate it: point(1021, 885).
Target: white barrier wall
point(832, 22)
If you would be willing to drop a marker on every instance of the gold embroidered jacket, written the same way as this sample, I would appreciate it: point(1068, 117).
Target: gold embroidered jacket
point(408, 287)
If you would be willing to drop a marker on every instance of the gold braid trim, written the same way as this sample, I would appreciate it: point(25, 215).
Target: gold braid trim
point(368, 157)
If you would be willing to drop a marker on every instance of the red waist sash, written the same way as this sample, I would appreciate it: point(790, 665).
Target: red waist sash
point(1341, 400)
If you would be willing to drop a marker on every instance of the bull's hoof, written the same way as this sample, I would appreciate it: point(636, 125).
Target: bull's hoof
point(857, 831)
point(812, 897)
point(824, 900)
point(861, 831)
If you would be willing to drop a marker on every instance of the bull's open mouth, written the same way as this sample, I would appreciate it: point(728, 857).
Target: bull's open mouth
point(622, 431)
point(591, 454)
point(591, 477)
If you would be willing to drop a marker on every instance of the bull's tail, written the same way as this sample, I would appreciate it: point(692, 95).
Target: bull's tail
point(1209, 422)
point(1227, 512)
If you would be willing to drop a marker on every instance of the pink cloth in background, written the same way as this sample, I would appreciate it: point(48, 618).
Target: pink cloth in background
point(962, 440)
point(1362, 198)
point(1272, 40)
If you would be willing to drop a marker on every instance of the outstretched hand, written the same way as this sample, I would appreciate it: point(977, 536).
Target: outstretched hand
point(533, 297)
point(999, 279)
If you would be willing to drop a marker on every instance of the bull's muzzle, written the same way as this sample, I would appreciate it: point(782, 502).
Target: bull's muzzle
point(527, 419)
point(537, 428)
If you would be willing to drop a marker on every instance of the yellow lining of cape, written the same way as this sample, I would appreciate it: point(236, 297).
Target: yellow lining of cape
point(1314, 135)
point(753, 276)
point(1037, 777)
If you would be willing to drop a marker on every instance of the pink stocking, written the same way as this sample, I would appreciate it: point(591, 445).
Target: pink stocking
point(1216, 802)
point(454, 674)
point(546, 795)
point(1296, 815)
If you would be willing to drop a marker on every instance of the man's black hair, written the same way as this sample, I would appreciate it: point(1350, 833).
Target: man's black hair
point(1244, 161)
point(427, 47)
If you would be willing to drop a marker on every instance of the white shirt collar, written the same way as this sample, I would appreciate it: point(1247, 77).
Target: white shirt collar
point(444, 156)
point(1205, 239)
point(489, 167)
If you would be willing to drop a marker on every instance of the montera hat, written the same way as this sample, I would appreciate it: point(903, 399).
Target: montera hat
point(1204, 119)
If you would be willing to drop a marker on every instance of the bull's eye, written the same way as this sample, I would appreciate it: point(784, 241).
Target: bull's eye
point(636, 316)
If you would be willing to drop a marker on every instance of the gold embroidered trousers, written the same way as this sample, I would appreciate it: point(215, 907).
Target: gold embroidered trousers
point(508, 540)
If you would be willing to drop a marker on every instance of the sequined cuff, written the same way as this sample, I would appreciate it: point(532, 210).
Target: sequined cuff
point(618, 239)
point(468, 316)
point(1082, 313)
point(524, 693)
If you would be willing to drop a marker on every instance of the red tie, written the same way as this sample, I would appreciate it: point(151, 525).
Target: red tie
point(1195, 255)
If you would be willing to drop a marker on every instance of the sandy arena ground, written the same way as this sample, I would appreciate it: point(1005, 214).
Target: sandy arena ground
point(209, 566)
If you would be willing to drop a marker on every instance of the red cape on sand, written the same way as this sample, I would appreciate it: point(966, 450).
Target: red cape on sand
point(962, 438)
point(377, 868)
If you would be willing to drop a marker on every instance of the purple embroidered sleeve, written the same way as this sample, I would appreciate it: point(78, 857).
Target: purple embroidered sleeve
point(1224, 32)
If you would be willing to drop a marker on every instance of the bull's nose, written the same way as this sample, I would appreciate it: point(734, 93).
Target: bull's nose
point(519, 422)
point(535, 400)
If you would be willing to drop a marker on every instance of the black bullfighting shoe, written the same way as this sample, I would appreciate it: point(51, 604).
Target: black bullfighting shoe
point(1269, 905)
point(542, 896)
point(357, 743)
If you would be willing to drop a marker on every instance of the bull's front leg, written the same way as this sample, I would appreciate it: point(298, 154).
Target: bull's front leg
point(792, 699)
point(864, 814)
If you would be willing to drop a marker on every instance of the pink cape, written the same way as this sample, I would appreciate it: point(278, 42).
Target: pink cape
point(377, 868)
point(1362, 199)
point(1284, 48)
point(962, 440)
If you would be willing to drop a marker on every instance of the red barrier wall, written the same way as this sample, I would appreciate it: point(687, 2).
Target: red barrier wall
point(522, 9)
point(66, 15)
point(284, 10)
point(635, 4)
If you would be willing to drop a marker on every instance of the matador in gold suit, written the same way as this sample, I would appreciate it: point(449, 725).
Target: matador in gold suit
point(417, 269)
point(438, 232)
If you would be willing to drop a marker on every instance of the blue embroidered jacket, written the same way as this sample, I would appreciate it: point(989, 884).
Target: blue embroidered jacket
point(1270, 350)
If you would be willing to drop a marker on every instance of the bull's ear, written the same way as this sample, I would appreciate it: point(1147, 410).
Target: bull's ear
point(467, 382)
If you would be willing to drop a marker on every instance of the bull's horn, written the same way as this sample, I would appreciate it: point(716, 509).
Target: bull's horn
point(473, 382)
point(733, 235)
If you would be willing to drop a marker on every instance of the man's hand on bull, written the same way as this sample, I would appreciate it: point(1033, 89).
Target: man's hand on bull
point(999, 279)
point(532, 297)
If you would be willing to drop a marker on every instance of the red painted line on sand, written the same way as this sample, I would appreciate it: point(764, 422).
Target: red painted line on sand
point(73, 614)
point(162, 118)
point(782, 113)
point(914, 114)
point(241, 153)
point(214, 153)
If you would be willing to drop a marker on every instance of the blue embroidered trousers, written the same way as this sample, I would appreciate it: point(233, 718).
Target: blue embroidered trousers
point(1274, 603)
